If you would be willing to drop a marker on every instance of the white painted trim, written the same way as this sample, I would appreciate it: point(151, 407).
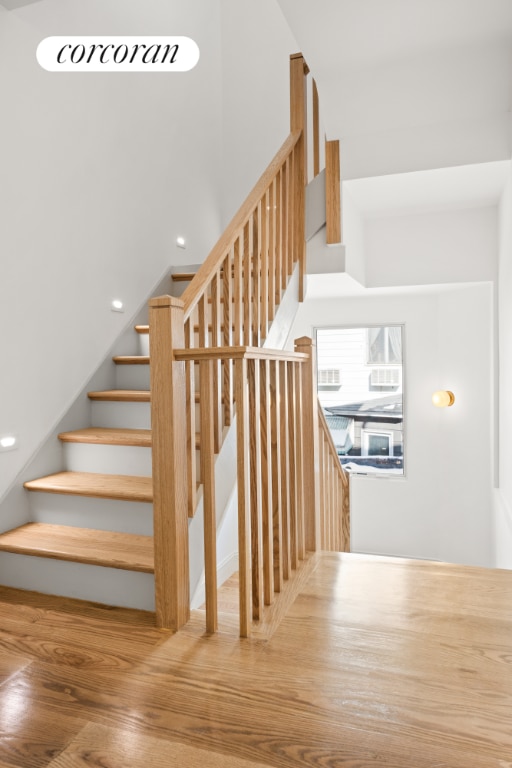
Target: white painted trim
point(225, 569)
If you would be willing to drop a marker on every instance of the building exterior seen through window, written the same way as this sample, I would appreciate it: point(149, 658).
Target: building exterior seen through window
point(360, 388)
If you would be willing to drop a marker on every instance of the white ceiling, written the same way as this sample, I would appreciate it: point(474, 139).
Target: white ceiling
point(410, 84)
point(355, 34)
point(418, 91)
point(464, 186)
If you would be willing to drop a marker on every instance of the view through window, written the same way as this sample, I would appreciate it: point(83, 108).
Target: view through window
point(360, 388)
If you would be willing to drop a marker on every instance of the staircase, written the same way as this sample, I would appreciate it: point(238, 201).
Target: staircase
point(117, 516)
point(98, 511)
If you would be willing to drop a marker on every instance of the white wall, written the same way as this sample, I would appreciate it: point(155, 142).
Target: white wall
point(429, 248)
point(353, 237)
point(503, 494)
point(419, 515)
point(256, 48)
point(100, 173)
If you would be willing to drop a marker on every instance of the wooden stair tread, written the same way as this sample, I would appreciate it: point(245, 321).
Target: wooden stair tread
point(124, 487)
point(83, 545)
point(122, 395)
point(142, 328)
point(182, 277)
point(131, 359)
point(108, 436)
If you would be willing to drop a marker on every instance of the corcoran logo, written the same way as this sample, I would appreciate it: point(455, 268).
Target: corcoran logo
point(117, 54)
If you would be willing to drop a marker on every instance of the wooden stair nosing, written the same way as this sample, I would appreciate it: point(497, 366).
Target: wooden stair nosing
point(121, 395)
point(182, 277)
point(82, 545)
point(95, 485)
point(108, 436)
point(131, 359)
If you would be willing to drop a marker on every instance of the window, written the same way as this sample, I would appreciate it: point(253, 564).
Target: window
point(384, 345)
point(377, 443)
point(360, 388)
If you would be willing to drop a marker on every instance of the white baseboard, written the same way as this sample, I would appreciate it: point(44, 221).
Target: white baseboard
point(225, 569)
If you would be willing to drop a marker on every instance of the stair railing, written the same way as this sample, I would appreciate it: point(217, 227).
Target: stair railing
point(205, 349)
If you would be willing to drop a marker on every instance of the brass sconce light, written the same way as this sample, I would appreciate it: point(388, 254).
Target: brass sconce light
point(443, 398)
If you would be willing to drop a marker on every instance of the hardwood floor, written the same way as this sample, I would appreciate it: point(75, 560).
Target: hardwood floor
point(378, 662)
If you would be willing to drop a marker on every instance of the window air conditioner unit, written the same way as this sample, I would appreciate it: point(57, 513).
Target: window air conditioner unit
point(329, 377)
point(385, 377)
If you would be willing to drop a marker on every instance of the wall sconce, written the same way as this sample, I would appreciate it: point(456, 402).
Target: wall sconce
point(443, 398)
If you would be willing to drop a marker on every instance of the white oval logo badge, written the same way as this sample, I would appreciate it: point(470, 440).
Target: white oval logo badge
point(117, 54)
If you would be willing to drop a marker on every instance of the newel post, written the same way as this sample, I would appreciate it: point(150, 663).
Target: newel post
point(168, 427)
point(310, 449)
point(298, 122)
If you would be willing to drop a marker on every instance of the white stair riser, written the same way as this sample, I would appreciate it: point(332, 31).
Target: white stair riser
point(119, 415)
point(88, 512)
point(110, 586)
point(132, 376)
point(144, 344)
point(108, 459)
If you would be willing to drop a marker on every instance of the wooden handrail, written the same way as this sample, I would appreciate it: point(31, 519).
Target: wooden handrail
point(214, 260)
point(239, 353)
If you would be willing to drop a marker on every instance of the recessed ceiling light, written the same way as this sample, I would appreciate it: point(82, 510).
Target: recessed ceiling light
point(8, 443)
point(117, 306)
point(180, 242)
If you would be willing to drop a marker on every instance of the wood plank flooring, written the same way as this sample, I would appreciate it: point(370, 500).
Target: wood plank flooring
point(377, 662)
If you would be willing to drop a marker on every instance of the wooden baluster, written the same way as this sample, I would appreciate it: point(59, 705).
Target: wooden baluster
point(244, 497)
point(285, 464)
point(290, 185)
point(227, 332)
point(316, 131)
point(332, 508)
point(191, 421)
point(266, 481)
point(345, 525)
point(253, 368)
point(168, 425)
point(256, 278)
point(299, 461)
point(272, 288)
point(323, 493)
point(332, 192)
point(279, 236)
point(247, 268)
point(298, 122)
point(216, 342)
point(265, 309)
point(238, 303)
point(311, 443)
point(285, 227)
point(292, 467)
point(203, 339)
point(276, 460)
point(207, 407)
